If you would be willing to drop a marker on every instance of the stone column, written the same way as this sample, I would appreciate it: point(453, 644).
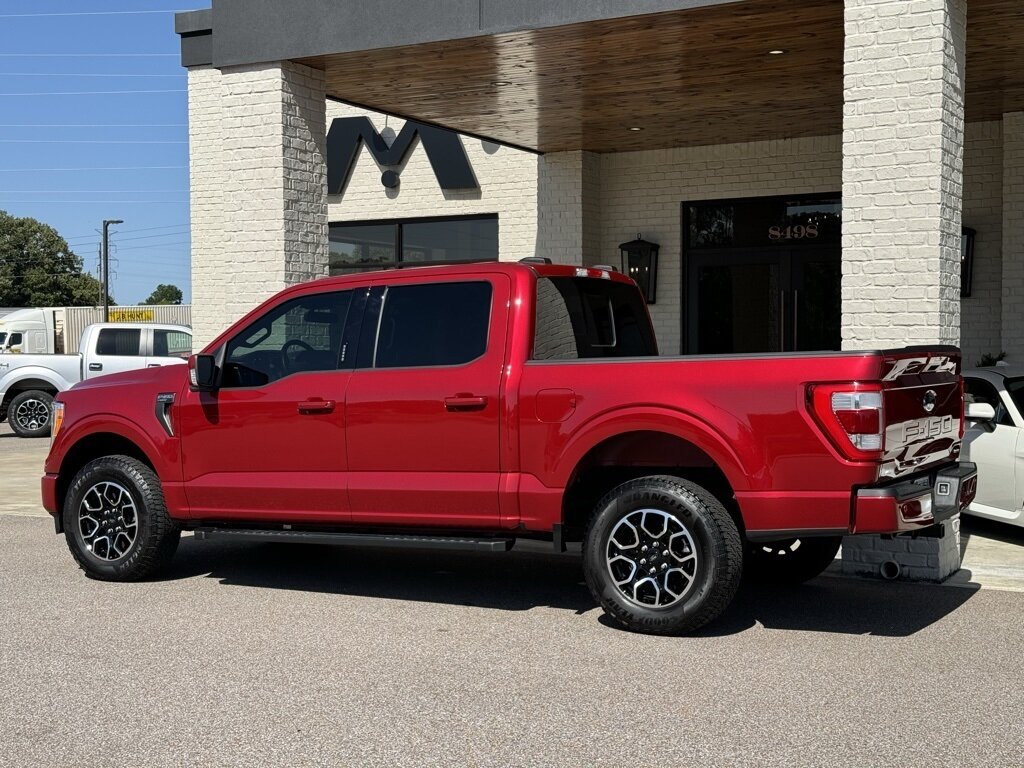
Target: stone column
point(258, 186)
point(903, 133)
point(568, 207)
point(1013, 237)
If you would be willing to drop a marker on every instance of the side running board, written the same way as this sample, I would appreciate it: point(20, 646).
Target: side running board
point(356, 539)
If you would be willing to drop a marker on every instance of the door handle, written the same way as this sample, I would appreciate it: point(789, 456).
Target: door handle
point(153, 365)
point(95, 366)
point(308, 407)
point(465, 403)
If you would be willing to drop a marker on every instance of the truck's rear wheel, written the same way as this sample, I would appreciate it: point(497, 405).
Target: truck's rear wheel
point(662, 555)
point(116, 522)
point(30, 412)
point(791, 561)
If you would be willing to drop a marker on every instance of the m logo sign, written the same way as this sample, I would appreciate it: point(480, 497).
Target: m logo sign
point(444, 150)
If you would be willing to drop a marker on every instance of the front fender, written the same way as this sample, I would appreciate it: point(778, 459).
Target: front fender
point(51, 377)
point(649, 419)
point(161, 455)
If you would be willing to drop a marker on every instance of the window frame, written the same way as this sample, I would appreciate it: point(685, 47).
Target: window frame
point(375, 316)
point(349, 336)
point(399, 243)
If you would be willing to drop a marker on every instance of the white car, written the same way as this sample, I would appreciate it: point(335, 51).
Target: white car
point(994, 440)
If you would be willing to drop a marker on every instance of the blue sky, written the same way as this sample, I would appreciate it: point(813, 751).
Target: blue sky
point(74, 159)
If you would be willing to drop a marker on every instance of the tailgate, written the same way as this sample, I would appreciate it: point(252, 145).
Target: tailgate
point(923, 403)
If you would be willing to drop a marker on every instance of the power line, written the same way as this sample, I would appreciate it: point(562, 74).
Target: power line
point(104, 202)
point(85, 141)
point(109, 168)
point(135, 229)
point(82, 74)
point(84, 55)
point(93, 93)
point(93, 125)
point(139, 247)
point(88, 13)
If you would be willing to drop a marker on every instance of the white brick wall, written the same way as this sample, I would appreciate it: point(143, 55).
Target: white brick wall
point(643, 192)
point(980, 315)
point(1013, 236)
point(902, 171)
point(507, 178)
point(258, 185)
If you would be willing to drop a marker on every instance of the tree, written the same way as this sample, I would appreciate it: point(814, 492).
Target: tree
point(165, 294)
point(38, 269)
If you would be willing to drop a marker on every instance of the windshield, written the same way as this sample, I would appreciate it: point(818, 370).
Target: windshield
point(1015, 389)
point(580, 317)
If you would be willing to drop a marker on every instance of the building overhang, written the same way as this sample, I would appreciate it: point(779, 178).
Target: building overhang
point(605, 76)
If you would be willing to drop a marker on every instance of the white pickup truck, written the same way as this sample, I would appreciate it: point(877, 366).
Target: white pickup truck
point(28, 383)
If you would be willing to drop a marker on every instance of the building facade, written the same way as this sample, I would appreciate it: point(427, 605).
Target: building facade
point(834, 175)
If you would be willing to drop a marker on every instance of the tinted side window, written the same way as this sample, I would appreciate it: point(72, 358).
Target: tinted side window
point(981, 391)
point(584, 318)
point(300, 336)
point(433, 324)
point(123, 342)
point(171, 343)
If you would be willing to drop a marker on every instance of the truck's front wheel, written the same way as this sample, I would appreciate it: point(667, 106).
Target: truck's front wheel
point(29, 413)
point(116, 522)
point(662, 555)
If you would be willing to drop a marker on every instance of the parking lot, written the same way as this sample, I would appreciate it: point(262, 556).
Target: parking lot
point(247, 655)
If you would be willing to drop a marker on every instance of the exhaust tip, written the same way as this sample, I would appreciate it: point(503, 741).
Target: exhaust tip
point(890, 570)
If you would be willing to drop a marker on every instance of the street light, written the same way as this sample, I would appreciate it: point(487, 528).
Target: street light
point(105, 265)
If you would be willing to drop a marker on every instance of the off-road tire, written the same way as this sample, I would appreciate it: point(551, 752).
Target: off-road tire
point(716, 541)
point(156, 538)
point(28, 396)
point(790, 561)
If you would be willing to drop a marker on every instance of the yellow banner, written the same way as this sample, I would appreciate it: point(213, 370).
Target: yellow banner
point(131, 315)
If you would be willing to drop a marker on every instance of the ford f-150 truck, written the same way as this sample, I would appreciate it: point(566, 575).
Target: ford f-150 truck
point(468, 406)
point(28, 383)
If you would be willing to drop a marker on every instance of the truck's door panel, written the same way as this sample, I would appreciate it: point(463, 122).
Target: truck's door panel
point(115, 350)
point(423, 408)
point(269, 444)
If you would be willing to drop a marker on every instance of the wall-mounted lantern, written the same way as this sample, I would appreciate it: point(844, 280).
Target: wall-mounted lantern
point(967, 236)
point(640, 262)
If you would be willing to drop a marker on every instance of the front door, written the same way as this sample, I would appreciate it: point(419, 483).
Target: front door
point(117, 350)
point(269, 444)
point(425, 404)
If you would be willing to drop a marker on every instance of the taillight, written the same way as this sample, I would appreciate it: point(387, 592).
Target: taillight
point(853, 417)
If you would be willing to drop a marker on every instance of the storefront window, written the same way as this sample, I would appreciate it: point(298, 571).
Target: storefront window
point(412, 242)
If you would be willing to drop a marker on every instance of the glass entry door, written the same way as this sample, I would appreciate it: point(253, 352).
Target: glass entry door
point(757, 301)
point(762, 275)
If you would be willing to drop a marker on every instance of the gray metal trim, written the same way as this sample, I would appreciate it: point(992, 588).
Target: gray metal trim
point(252, 31)
point(188, 22)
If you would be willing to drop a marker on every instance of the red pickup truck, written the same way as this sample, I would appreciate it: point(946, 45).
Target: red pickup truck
point(464, 407)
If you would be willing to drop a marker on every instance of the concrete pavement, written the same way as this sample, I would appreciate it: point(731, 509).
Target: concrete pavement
point(21, 466)
point(285, 655)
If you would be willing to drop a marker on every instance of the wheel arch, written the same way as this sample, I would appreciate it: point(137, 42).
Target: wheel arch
point(625, 450)
point(112, 440)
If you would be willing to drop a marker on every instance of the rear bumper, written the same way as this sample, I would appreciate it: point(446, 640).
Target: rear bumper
point(916, 502)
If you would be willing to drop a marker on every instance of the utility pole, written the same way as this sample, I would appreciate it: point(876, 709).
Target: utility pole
point(105, 267)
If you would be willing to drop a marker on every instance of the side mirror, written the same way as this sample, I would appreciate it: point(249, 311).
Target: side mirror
point(202, 373)
point(980, 412)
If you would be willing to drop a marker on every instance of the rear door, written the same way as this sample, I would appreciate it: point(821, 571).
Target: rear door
point(167, 346)
point(116, 350)
point(423, 408)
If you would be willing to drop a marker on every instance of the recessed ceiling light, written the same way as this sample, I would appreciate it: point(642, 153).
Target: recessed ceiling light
point(636, 129)
point(777, 51)
point(500, 83)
